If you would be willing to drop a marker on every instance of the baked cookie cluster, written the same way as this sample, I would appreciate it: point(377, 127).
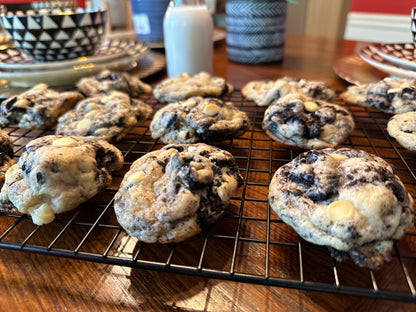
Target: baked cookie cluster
point(346, 199)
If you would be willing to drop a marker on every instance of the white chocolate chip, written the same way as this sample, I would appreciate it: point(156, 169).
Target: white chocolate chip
point(52, 94)
point(394, 90)
point(211, 109)
point(136, 177)
point(340, 210)
point(338, 156)
point(93, 106)
point(189, 103)
point(165, 154)
point(64, 142)
point(311, 107)
point(84, 124)
point(91, 114)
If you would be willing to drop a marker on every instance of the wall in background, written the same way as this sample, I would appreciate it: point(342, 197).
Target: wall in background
point(379, 20)
point(383, 6)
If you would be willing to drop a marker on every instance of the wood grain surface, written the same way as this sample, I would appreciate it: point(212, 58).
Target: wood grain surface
point(39, 282)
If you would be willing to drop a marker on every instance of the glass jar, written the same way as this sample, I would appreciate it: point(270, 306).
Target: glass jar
point(188, 30)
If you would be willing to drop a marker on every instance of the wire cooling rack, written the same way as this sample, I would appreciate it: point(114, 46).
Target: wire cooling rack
point(250, 243)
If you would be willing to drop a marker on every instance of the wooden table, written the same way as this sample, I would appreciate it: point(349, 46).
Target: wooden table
point(41, 282)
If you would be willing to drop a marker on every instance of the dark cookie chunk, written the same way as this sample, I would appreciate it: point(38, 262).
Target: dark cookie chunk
point(107, 81)
point(6, 153)
point(198, 120)
point(389, 95)
point(346, 199)
point(37, 108)
point(109, 117)
point(296, 119)
point(56, 174)
point(184, 86)
point(174, 193)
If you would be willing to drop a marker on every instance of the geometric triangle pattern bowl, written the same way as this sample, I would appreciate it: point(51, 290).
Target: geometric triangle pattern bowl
point(56, 36)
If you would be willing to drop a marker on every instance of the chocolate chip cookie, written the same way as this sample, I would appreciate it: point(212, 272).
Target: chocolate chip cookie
point(346, 199)
point(37, 108)
point(107, 81)
point(56, 174)
point(299, 120)
point(390, 95)
point(198, 120)
point(185, 86)
point(264, 92)
point(6, 153)
point(402, 127)
point(109, 117)
point(174, 193)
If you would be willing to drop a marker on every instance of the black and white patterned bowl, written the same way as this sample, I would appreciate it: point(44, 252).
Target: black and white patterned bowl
point(56, 36)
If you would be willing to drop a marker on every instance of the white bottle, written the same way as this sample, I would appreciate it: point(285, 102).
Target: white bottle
point(187, 31)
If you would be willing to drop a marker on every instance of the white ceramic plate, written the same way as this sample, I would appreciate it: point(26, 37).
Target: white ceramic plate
point(150, 64)
point(355, 70)
point(69, 76)
point(369, 54)
point(400, 54)
point(12, 59)
point(218, 35)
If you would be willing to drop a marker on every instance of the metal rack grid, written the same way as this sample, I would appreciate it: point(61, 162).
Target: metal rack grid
point(250, 243)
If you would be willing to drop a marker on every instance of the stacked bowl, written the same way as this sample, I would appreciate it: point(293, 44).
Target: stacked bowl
point(255, 30)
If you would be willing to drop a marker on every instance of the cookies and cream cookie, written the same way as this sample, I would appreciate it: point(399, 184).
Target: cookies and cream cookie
point(174, 193)
point(56, 174)
point(107, 81)
point(37, 108)
point(109, 117)
point(264, 92)
point(185, 86)
point(198, 120)
point(390, 95)
point(402, 127)
point(6, 153)
point(346, 199)
point(299, 120)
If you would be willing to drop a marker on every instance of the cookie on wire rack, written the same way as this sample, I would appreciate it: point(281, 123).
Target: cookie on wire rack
point(390, 95)
point(299, 120)
point(264, 92)
point(37, 108)
point(109, 117)
point(174, 193)
point(184, 86)
point(107, 81)
point(56, 174)
point(402, 127)
point(198, 119)
point(346, 199)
